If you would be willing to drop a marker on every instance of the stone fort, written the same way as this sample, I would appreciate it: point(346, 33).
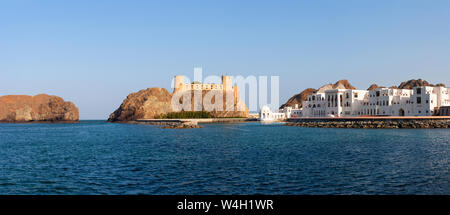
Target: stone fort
point(227, 86)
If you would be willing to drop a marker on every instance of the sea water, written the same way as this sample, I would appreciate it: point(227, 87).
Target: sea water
point(96, 157)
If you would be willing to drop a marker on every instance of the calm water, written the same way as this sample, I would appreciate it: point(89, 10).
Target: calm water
point(94, 157)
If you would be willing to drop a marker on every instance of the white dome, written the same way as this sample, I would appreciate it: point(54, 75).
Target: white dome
point(265, 108)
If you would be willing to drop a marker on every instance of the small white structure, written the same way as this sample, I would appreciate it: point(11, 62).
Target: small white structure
point(288, 112)
point(267, 115)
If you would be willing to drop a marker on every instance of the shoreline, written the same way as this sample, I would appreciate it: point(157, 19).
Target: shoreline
point(371, 122)
point(39, 122)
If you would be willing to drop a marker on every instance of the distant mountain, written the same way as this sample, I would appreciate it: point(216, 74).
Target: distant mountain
point(299, 98)
point(344, 84)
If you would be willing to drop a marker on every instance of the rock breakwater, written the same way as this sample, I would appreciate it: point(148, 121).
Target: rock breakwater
point(444, 123)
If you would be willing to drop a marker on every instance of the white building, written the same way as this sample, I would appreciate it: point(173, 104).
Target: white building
point(419, 101)
point(288, 112)
point(267, 115)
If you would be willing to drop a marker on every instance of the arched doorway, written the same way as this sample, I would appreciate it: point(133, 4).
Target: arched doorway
point(401, 112)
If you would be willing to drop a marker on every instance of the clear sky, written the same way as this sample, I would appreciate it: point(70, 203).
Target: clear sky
point(95, 53)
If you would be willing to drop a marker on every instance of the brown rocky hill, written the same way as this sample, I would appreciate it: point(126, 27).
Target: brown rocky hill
point(373, 87)
point(416, 83)
point(299, 98)
point(42, 107)
point(145, 104)
point(153, 103)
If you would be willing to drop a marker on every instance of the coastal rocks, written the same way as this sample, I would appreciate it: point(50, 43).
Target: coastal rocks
point(42, 107)
point(149, 103)
point(374, 124)
point(181, 126)
point(170, 125)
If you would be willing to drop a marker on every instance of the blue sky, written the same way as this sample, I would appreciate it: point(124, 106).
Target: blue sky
point(95, 53)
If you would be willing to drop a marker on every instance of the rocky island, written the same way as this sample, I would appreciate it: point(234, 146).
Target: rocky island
point(39, 108)
point(155, 103)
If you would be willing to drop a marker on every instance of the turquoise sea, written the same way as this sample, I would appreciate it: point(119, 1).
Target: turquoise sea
point(95, 157)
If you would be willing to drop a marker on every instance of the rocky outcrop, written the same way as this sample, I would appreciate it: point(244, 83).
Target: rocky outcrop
point(42, 107)
point(416, 83)
point(145, 104)
point(343, 84)
point(299, 98)
point(153, 103)
point(374, 86)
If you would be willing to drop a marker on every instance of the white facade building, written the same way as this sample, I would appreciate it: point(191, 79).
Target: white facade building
point(419, 101)
point(288, 112)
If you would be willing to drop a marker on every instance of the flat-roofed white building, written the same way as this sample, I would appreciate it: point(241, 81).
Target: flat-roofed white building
point(419, 101)
point(288, 112)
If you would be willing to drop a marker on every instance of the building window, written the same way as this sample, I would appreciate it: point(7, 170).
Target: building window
point(419, 99)
point(419, 90)
point(356, 95)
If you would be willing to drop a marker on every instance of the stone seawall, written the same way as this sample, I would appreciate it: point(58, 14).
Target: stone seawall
point(168, 124)
point(381, 123)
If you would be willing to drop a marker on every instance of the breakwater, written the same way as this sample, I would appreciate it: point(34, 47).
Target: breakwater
point(372, 122)
point(186, 123)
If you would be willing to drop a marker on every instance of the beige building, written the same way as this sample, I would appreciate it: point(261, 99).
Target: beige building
point(226, 86)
